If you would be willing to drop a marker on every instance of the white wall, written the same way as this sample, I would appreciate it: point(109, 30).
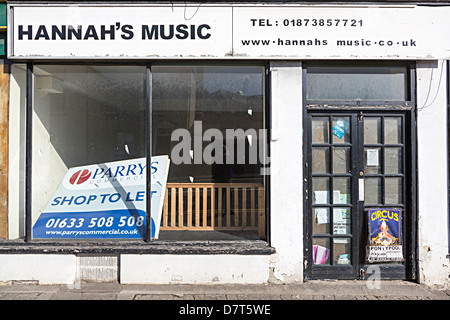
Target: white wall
point(432, 164)
point(193, 269)
point(286, 171)
point(44, 268)
point(135, 269)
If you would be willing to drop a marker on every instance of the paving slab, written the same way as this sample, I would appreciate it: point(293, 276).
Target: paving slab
point(310, 290)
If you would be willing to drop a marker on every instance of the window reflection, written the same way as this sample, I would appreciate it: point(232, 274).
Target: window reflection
point(337, 81)
point(210, 121)
point(83, 115)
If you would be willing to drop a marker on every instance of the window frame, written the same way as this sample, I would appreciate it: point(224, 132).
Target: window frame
point(139, 246)
point(356, 104)
point(448, 157)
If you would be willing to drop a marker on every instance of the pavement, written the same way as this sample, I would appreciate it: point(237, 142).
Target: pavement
point(394, 299)
point(309, 290)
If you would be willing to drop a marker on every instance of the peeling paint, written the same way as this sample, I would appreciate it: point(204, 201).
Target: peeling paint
point(4, 127)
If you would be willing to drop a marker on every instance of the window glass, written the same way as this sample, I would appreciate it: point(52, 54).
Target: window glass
point(89, 152)
point(89, 148)
point(210, 121)
point(16, 152)
point(335, 81)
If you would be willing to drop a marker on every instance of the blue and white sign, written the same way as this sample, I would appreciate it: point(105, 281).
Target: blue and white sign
point(105, 201)
point(340, 128)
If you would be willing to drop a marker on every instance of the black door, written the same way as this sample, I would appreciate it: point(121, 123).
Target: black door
point(355, 161)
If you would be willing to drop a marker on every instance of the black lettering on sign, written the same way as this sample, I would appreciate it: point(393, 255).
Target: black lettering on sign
point(109, 32)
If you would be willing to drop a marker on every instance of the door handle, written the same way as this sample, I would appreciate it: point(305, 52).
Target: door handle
point(360, 189)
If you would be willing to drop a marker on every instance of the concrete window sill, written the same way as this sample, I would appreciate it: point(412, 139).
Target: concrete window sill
point(244, 247)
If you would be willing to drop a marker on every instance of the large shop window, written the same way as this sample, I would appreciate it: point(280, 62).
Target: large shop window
point(89, 142)
point(88, 151)
point(211, 121)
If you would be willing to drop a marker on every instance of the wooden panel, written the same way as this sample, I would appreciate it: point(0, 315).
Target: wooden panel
point(172, 207)
point(236, 206)
point(205, 207)
point(197, 207)
point(180, 208)
point(200, 212)
point(4, 115)
point(219, 207)
point(252, 208)
point(165, 209)
point(261, 212)
point(189, 208)
point(213, 204)
point(228, 205)
point(244, 207)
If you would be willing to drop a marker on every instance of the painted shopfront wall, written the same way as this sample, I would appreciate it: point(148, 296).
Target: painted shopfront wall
point(290, 138)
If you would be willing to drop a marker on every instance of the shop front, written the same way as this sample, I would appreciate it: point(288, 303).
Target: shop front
point(225, 143)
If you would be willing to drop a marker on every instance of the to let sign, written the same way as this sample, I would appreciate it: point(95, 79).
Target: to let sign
point(106, 201)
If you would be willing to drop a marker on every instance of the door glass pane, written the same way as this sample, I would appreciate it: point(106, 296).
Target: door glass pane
point(341, 251)
point(321, 190)
point(341, 160)
point(320, 160)
point(392, 160)
point(321, 220)
point(337, 81)
point(321, 250)
point(372, 160)
point(320, 130)
point(341, 190)
point(393, 190)
point(372, 191)
point(340, 129)
point(342, 220)
point(392, 130)
point(372, 130)
point(383, 146)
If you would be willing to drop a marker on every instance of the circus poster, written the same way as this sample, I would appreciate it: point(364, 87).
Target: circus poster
point(385, 235)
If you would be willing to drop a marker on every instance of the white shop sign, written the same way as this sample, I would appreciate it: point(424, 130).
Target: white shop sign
point(227, 32)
